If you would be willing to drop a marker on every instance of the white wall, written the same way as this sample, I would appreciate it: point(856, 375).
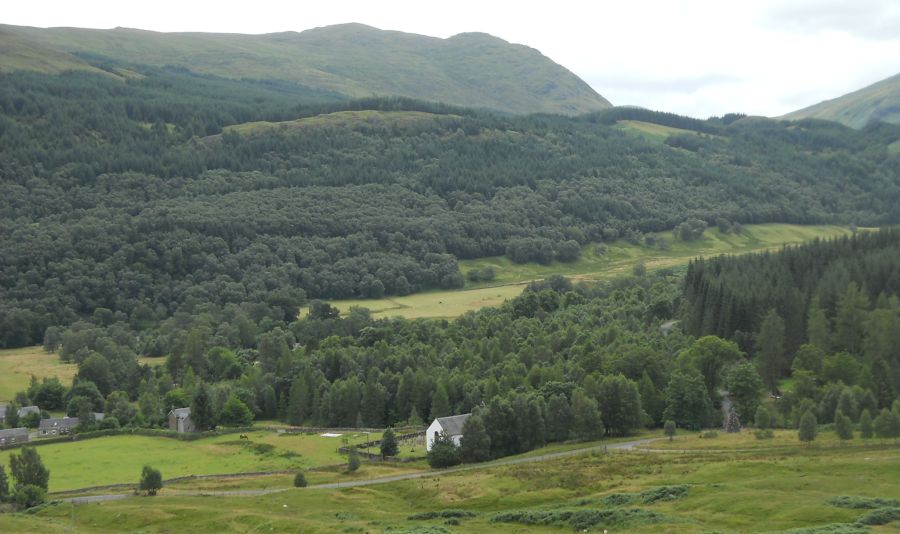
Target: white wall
point(433, 429)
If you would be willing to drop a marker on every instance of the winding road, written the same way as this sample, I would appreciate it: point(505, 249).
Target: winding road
point(621, 446)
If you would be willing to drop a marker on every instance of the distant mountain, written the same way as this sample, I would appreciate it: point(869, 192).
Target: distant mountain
point(879, 101)
point(470, 69)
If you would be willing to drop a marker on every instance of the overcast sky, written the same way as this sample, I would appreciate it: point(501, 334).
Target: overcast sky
point(698, 58)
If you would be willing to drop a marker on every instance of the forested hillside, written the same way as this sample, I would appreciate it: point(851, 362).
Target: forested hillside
point(352, 60)
point(829, 309)
point(172, 192)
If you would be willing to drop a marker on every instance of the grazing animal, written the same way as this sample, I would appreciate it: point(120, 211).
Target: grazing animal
point(244, 436)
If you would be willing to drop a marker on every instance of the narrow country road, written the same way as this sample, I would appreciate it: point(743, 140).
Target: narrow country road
point(622, 446)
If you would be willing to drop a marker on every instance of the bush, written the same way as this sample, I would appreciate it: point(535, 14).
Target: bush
point(862, 503)
point(151, 480)
point(443, 453)
point(669, 428)
point(709, 434)
point(764, 434)
point(353, 461)
point(30, 495)
point(881, 516)
point(441, 514)
point(300, 480)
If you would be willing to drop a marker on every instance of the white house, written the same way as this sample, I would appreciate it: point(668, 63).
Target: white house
point(180, 420)
point(452, 426)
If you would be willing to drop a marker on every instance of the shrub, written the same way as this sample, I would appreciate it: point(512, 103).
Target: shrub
point(443, 453)
point(709, 434)
point(859, 503)
point(442, 514)
point(151, 480)
point(30, 495)
point(300, 480)
point(764, 434)
point(669, 428)
point(353, 461)
point(881, 516)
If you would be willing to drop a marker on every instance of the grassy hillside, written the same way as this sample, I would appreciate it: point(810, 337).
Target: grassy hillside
point(879, 101)
point(743, 491)
point(474, 70)
point(618, 259)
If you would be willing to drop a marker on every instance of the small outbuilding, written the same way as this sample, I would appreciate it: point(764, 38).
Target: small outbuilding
point(13, 435)
point(452, 426)
point(180, 420)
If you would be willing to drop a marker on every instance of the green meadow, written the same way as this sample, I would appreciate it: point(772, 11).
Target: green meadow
point(18, 365)
point(769, 490)
point(617, 259)
point(119, 459)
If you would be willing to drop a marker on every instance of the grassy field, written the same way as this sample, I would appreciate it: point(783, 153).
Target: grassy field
point(746, 440)
point(752, 491)
point(619, 259)
point(651, 131)
point(18, 365)
point(119, 459)
point(341, 119)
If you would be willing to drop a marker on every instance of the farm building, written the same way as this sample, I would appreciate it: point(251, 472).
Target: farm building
point(180, 420)
point(13, 435)
point(57, 427)
point(451, 425)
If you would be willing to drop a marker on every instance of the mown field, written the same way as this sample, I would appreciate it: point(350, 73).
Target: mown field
point(618, 259)
point(18, 365)
point(119, 459)
point(749, 491)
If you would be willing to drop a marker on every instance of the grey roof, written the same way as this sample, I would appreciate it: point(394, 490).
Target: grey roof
point(25, 410)
point(181, 413)
point(13, 432)
point(67, 422)
point(453, 425)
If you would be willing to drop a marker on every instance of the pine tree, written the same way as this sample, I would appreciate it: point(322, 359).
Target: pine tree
point(817, 329)
point(843, 426)
point(389, 445)
point(475, 444)
point(770, 357)
point(808, 427)
point(440, 401)
point(866, 430)
point(651, 399)
point(202, 412)
point(887, 425)
point(353, 460)
point(850, 319)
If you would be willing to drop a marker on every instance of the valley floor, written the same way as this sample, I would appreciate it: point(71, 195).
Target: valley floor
point(768, 489)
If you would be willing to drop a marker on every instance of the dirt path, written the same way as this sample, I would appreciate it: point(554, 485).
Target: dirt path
point(622, 446)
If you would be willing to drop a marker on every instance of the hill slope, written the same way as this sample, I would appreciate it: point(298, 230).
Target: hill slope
point(879, 101)
point(470, 69)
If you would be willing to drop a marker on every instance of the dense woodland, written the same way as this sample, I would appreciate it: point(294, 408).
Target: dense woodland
point(559, 362)
point(125, 198)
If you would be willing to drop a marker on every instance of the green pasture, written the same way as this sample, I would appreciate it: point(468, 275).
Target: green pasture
point(619, 258)
point(752, 491)
point(18, 365)
point(119, 459)
point(651, 131)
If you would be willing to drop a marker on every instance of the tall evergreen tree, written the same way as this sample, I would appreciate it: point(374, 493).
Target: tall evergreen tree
point(202, 410)
point(817, 328)
point(389, 445)
point(850, 320)
point(770, 355)
point(440, 402)
point(866, 430)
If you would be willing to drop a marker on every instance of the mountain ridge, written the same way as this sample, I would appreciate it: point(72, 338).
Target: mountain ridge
point(878, 101)
point(469, 69)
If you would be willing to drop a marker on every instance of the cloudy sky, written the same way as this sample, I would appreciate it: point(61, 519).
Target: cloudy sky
point(695, 57)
